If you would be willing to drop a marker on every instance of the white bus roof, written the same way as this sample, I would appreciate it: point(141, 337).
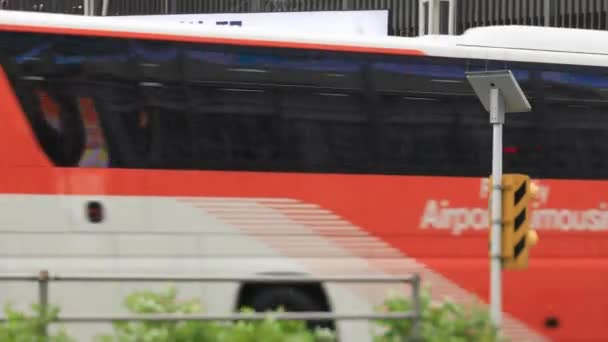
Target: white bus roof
point(515, 43)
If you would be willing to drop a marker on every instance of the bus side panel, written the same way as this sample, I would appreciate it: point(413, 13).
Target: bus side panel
point(439, 222)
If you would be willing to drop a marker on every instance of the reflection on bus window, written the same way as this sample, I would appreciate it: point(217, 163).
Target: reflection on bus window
point(50, 109)
point(95, 153)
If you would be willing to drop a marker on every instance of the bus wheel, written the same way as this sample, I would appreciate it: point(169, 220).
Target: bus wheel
point(290, 298)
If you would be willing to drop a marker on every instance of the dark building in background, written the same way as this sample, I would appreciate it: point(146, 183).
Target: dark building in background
point(404, 14)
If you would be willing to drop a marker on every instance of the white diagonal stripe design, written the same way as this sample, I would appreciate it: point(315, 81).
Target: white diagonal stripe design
point(303, 230)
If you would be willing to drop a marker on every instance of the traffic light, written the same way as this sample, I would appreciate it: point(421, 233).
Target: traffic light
point(517, 236)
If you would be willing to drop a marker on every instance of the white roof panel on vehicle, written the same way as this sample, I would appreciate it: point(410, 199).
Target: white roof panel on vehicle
point(553, 39)
point(516, 43)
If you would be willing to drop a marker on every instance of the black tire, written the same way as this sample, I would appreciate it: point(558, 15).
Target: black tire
point(290, 299)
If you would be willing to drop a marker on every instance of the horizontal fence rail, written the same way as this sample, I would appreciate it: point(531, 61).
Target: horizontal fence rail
point(195, 278)
point(254, 316)
point(44, 278)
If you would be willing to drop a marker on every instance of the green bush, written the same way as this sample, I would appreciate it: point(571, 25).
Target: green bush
point(445, 322)
point(20, 327)
point(147, 302)
point(441, 322)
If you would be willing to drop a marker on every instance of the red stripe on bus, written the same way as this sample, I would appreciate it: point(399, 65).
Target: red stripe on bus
point(18, 146)
point(210, 40)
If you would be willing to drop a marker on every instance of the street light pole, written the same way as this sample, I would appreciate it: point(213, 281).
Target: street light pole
point(499, 93)
point(497, 119)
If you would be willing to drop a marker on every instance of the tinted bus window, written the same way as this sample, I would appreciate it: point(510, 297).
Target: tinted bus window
point(124, 103)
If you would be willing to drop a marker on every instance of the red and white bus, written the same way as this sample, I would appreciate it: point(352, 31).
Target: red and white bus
point(143, 148)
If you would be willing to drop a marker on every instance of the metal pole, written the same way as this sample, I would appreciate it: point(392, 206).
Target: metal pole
point(547, 12)
point(417, 309)
point(497, 118)
point(432, 18)
point(104, 7)
point(43, 300)
point(452, 17)
point(422, 19)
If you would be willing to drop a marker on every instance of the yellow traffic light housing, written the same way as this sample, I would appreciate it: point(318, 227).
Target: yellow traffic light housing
point(517, 236)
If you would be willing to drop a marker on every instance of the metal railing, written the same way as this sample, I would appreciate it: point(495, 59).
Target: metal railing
point(44, 278)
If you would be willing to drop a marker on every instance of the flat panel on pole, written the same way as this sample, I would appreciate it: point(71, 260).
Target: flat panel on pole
point(483, 82)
